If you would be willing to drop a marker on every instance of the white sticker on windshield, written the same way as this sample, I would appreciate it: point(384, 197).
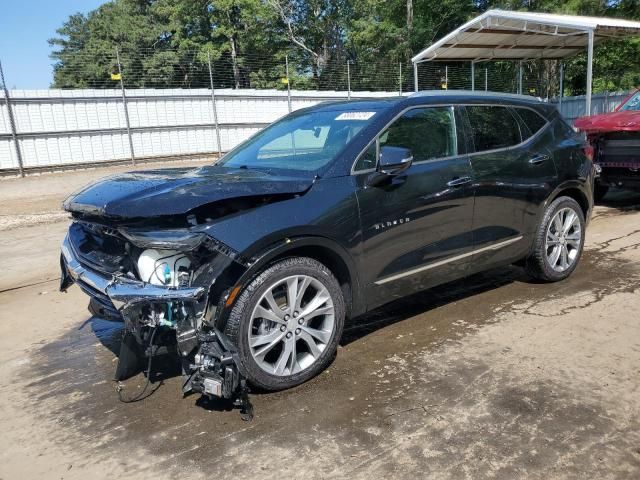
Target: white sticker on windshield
point(355, 115)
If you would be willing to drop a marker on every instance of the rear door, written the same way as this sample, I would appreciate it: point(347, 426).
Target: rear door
point(514, 172)
point(416, 228)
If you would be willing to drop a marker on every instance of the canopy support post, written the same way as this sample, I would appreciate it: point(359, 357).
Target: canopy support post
point(561, 85)
point(520, 78)
point(415, 76)
point(589, 72)
point(473, 75)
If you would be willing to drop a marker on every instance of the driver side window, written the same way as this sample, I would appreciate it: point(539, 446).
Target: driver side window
point(428, 132)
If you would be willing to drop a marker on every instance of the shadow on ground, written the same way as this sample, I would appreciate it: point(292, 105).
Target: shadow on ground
point(623, 200)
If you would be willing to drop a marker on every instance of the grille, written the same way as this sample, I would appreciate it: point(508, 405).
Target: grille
point(99, 248)
point(620, 149)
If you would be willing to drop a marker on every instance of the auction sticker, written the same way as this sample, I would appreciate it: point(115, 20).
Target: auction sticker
point(355, 115)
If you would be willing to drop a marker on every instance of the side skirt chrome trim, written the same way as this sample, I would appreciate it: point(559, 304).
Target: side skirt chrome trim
point(439, 263)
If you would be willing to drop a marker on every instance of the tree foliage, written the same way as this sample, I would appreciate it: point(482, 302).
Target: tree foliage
point(168, 43)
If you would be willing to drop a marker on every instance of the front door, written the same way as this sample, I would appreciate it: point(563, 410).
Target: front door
point(416, 228)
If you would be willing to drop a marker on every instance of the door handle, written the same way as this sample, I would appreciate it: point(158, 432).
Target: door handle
point(536, 159)
point(456, 182)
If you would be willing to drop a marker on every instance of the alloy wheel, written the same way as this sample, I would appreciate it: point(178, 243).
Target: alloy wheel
point(291, 325)
point(563, 239)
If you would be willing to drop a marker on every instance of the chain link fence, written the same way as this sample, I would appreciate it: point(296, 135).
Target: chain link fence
point(189, 69)
point(133, 106)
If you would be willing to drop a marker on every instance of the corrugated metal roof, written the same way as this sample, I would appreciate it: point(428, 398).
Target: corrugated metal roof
point(502, 34)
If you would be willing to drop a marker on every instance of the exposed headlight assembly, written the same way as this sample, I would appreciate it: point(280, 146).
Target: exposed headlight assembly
point(179, 239)
point(164, 267)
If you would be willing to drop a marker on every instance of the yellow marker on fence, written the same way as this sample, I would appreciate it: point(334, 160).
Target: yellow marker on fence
point(116, 76)
point(285, 81)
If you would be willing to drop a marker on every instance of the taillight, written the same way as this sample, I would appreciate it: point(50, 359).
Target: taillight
point(589, 151)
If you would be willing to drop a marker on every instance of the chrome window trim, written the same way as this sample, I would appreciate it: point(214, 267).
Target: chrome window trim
point(452, 106)
point(439, 263)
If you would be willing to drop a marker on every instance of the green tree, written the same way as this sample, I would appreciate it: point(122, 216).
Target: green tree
point(166, 43)
point(85, 48)
point(316, 30)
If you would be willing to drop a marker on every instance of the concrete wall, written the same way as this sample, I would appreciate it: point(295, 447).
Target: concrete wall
point(61, 127)
point(574, 107)
point(58, 127)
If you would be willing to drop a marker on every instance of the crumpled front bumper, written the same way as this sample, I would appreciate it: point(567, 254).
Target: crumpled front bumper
point(118, 292)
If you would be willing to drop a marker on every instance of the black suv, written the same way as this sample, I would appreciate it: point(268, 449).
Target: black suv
point(326, 214)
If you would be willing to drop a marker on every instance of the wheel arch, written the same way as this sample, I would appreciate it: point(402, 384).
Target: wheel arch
point(578, 195)
point(322, 249)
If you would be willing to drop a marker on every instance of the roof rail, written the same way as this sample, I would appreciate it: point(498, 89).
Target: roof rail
point(473, 93)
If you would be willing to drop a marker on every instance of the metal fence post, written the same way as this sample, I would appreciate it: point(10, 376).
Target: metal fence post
point(215, 108)
point(126, 109)
point(348, 81)
point(473, 75)
point(486, 79)
point(520, 78)
point(12, 122)
point(415, 76)
point(400, 79)
point(286, 66)
point(561, 85)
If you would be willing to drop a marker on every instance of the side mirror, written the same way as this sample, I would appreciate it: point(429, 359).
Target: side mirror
point(394, 160)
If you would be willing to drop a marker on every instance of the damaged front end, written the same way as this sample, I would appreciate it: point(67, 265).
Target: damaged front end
point(165, 285)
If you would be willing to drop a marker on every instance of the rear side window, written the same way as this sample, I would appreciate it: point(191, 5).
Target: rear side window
point(428, 132)
point(493, 127)
point(532, 120)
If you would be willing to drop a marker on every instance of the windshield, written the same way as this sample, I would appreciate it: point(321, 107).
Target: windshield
point(633, 103)
point(305, 142)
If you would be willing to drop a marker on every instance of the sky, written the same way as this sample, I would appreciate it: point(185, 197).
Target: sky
point(25, 27)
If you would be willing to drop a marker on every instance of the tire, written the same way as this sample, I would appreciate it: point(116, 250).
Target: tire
point(539, 263)
point(244, 318)
point(599, 191)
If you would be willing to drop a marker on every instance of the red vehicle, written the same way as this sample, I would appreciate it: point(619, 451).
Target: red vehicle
point(615, 138)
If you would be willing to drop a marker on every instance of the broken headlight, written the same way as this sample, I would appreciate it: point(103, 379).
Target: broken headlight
point(164, 267)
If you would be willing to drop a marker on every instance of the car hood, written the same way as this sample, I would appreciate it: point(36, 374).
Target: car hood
point(623, 120)
point(177, 191)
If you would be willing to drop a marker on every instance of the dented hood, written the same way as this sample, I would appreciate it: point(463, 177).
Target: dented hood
point(176, 191)
point(622, 120)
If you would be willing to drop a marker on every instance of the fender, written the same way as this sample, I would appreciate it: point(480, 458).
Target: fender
point(260, 260)
point(587, 193)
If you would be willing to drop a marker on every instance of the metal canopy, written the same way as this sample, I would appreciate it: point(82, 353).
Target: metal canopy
point(507, 35)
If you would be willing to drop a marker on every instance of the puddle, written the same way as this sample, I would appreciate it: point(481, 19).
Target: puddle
point(348, 411)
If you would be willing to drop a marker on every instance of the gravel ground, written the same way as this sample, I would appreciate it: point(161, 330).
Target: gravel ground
point(494, 376)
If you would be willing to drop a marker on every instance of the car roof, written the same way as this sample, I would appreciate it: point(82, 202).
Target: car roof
point(356, 105)
point(473, 95)
point(424, 97)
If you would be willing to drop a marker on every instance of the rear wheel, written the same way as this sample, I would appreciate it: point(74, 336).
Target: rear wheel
point(287, 323)
point(559, 241)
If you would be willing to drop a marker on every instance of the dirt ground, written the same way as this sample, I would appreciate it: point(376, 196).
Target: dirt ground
point(491, 377)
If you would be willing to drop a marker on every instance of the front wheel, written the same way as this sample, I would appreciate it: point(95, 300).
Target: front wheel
point(559, 241)
point(287, 323)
